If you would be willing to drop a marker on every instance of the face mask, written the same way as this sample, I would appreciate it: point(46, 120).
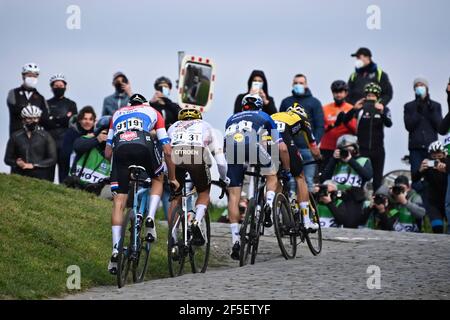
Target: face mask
point(257, 85)
point(59, 92)
point(118, 87)
point(359, 64)
point(339, 101)
point(421, 91)
point(30, 82)
point(165, 91)
point(31, 126)
point(299, 89)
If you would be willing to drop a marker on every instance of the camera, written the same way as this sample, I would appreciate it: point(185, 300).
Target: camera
point(380, 199)
point(396, 190)
point(344, 153)
point(432, 163)
point(323, 191)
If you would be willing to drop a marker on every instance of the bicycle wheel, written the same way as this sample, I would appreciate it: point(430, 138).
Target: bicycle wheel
point(140, 264)
point(314, 239)
point(259, 221)
point(247, 232)
point(124, 257)
point(283, 223)
point(176, 254)
point(199, 255)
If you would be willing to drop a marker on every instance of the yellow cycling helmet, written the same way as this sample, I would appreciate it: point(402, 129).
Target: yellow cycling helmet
point(189, 114)
point(298, 109)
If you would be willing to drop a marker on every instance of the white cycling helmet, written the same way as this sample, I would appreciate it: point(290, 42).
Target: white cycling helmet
point(436, 146)
point(30, 67)
point(57, 77)
point(31, 112)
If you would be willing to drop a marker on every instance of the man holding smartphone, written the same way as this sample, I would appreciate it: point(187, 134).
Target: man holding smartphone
point(120, 97)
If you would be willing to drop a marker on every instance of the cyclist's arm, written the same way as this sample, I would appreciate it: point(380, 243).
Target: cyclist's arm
point(277, 139)
point(164, 139)
point(108, 148)
point(215, 146)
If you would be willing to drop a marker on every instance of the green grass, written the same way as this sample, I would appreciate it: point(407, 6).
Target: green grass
point(45, 228)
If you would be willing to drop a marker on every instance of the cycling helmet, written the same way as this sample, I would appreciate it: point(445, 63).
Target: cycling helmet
point(298, 109)
point(339, 85)
point(347, 140)
point(372, 88)
point(57, 77)
point(102, 124)
point(252, 102)
point(137, 99)
point(436, 146)
point(189, 114)
point(161, 80)
point(31, 67)
point(31, 112)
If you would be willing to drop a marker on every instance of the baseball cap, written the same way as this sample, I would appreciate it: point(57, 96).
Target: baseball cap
point(362, 51)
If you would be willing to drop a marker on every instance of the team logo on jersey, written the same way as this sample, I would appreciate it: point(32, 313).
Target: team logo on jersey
point(128, 136)
point(238, 137)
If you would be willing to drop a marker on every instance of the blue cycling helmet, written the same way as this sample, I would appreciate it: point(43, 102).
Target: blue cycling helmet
point(251, 102)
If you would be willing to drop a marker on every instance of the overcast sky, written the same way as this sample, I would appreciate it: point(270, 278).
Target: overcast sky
point(282, 37)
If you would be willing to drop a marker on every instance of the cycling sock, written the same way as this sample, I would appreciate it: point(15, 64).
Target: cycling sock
point(234, 232)
point(154, 202)
point(304, 206)
point(269, 196)
point(200, 212)
point(116, 231)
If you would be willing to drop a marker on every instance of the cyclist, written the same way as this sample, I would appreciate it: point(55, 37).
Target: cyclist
point(130, 143)
point(192, 139)
point(292, 122)
point(247, 136)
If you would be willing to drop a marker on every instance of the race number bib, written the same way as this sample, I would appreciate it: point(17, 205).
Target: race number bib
point(350, 180)
point(187, 138)
point(281, 126)
point(241, 126)
point(130, 124)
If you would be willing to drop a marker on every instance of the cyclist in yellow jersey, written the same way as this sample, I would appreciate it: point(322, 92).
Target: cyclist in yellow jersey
point(292, 122)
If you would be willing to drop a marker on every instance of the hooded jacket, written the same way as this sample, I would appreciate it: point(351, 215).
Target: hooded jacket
point(269, 108)
point(313, 107)
point(114, 102)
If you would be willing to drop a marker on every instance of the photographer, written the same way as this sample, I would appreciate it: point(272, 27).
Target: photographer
point(434, 172)
point(91, 170)
point(398, 208)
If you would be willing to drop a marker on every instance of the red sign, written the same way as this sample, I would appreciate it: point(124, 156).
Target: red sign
point(128, 136)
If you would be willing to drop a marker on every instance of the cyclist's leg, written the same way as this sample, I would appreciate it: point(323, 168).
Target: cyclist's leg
point(236, 175)
point(201, 178)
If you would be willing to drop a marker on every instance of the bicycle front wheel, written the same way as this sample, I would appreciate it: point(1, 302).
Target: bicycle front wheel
point(247, 232)
point(124, 257)
point(199, 255)
point(314, 238)
point(283, 223)
point(176, 249)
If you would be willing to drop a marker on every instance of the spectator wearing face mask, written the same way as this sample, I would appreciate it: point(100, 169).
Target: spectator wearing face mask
point(367, 71)
point(61, 109)
point(120, 97)
point(31, 150)
point(444, 129)
point(335, 126)
point(257, 84)
point(313, 108)
point(26, 95)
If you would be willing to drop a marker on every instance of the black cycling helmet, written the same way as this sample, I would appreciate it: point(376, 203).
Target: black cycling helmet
point(137, 99)
point(102, 124)
point(339, 85)
point(161, 80)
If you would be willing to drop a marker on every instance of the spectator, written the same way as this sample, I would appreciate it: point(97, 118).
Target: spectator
point(31, 150)
point(397, 208)
point(444, 129)
point(84, 125)
point(333, 118)
point(61, 109)
point(434, 172)
point(26, 95)
point(90, 170)
point(169, 111)
point(120, 97)
point(313, 107)
point(339, 208)
point(257, 84)
point(366, 71)
point(373, 117)
point(422, 117)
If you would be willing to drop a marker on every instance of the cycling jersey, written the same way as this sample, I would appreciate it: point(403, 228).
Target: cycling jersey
point(130, 119)
point(290, 124)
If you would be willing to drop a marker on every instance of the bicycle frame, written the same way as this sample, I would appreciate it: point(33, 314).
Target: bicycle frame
point(184, 205)
point(140, 204)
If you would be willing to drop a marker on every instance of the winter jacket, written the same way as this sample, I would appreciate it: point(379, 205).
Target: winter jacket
point(113, 102)
point(169, 111)
point(58, 119)
point(334, 124)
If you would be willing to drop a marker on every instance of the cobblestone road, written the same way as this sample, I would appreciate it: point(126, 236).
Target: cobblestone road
point(413, 266)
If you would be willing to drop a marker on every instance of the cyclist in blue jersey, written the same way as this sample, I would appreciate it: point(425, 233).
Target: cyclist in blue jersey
point(251, 138)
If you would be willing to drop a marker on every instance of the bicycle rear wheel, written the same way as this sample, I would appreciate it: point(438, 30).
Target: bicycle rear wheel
point(314, 239)
point(124, 257)
point(247, 232)
point(140, 264)
point(199, 255)
point(283, 223)
point(176, 254)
